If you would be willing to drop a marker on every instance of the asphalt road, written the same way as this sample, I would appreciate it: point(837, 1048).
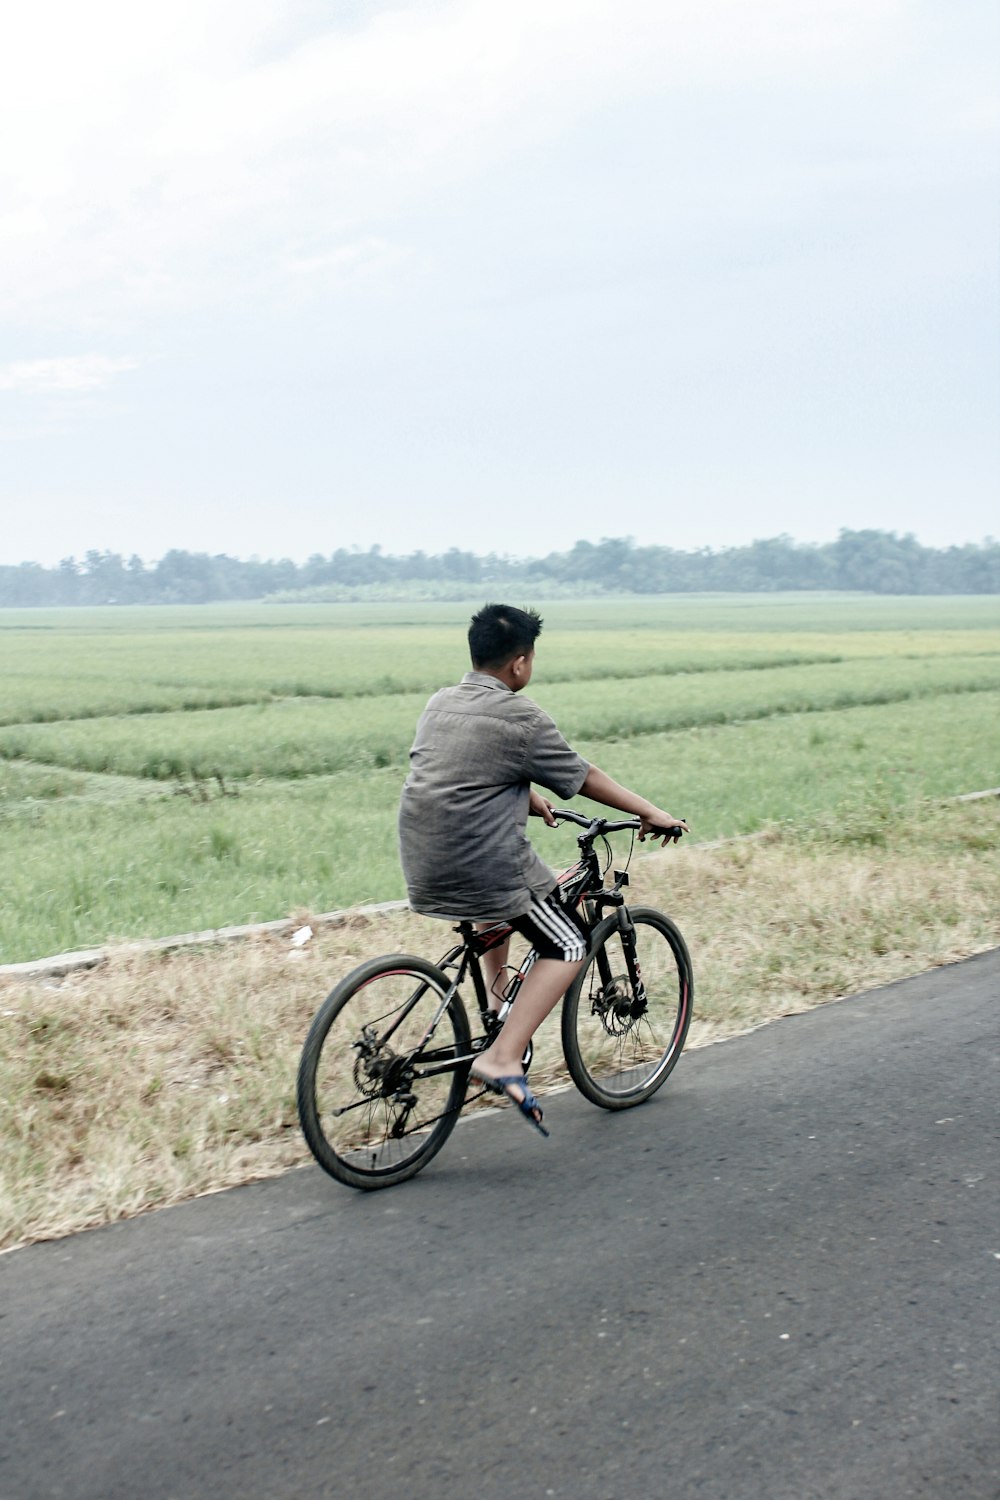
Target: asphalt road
point(780, 1278)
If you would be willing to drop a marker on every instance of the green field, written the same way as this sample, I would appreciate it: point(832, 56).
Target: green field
point(167, 769)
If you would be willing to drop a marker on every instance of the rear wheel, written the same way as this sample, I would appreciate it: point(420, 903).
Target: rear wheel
point(377, 1096)
point(623, 1025)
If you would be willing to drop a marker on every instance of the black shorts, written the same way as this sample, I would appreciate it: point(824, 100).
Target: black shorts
point(552, 929)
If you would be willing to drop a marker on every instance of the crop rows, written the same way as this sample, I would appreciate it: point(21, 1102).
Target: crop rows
point(158, 660)
point(292, 738)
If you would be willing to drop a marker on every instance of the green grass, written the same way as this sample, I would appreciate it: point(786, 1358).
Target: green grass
point(151, 862)
point(733, 712)
point(734, 779)
point(159, 864)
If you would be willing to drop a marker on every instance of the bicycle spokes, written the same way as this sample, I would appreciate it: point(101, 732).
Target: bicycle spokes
point(382, 1076)
point(626, 1017)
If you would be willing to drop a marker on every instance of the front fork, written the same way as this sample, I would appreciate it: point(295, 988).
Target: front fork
point(626, 930)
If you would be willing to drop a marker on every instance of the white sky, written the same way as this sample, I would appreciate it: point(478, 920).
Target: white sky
point(279, 276)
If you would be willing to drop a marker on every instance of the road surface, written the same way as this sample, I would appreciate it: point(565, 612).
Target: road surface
point(779, 1278)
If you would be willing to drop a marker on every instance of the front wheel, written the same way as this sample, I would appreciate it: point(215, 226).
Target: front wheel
point(626, 1014)
point(379, 1085)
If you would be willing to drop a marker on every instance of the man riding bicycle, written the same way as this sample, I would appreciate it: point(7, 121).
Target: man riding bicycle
point(464, 807)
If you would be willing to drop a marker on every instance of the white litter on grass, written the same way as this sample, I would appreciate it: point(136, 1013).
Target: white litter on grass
point(300, 937)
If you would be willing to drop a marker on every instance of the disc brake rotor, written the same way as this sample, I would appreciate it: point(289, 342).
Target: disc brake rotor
point(614, 1005)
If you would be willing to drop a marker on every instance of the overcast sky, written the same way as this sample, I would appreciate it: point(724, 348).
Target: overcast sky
point(278, 276)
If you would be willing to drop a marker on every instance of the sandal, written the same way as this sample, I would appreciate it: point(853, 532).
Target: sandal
point(527, 1103)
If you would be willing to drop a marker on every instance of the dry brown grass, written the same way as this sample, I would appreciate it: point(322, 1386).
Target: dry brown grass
point(157, 1077)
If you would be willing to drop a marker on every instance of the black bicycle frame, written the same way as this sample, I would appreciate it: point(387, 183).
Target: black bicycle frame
point(583, 885)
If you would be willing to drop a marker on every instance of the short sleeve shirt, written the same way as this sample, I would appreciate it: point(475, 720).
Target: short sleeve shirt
point(462, 816)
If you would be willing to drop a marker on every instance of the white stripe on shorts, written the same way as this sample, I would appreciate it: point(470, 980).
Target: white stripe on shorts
point(563, 931)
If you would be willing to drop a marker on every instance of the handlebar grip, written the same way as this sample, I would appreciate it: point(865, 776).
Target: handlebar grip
point(567, 815)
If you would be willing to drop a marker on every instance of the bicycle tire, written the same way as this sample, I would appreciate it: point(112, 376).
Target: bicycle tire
point(369, 1115)
point(619, 1050)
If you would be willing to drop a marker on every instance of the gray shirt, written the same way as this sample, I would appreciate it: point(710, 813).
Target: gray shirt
point(464, 807)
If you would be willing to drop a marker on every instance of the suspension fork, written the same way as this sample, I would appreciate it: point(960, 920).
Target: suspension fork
point(626, 930)
point(632, 964)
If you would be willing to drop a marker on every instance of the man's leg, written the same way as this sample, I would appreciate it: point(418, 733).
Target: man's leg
point(493, 964)
point(546, 983)
point(560, 941)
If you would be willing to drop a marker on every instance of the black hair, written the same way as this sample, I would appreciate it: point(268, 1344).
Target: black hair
point(499, 632)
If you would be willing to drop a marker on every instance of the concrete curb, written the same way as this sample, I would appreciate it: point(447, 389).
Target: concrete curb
point(90, 958)
point(61, 964)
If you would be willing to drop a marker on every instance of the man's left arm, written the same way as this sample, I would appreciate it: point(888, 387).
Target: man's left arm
point(656, 823)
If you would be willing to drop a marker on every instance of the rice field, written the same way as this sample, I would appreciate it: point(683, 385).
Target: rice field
point(168, 769)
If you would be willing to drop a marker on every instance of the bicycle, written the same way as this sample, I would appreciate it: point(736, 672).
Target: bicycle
point(385, 1067)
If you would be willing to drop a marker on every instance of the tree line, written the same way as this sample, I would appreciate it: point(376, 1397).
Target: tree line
point(879, 562)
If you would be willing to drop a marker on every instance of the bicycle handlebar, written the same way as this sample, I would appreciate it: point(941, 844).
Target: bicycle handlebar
point(567, 815)
point(597, 826)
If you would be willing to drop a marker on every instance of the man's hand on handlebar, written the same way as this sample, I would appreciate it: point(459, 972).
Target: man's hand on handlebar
point(540, 807)
point(657, 824)
point(654, 824)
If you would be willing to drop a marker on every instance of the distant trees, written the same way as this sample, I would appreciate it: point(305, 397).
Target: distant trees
point(868, 561)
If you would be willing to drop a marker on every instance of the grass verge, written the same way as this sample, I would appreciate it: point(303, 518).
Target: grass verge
point(158, 1077)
